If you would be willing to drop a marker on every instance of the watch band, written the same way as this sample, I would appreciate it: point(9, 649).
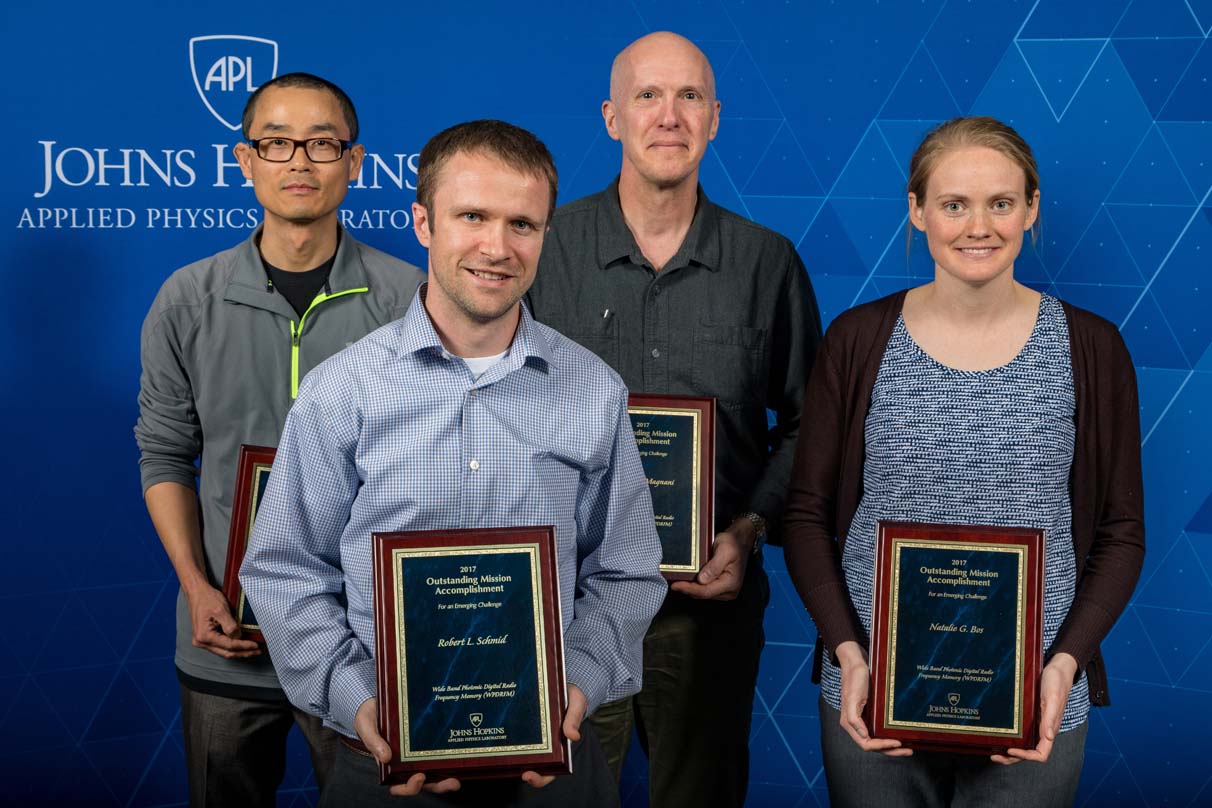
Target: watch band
point(759, 528)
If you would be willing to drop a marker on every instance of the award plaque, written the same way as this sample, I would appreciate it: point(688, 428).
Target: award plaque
point(469, 653)
point(956, 640)
point(252, 475)
point(676, 439)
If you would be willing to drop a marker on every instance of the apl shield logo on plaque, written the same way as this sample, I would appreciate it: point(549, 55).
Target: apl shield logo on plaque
point(227, 68)
point(953, 699)
point(477, 719)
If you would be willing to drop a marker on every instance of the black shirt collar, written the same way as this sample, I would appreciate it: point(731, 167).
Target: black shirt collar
point(615, 241)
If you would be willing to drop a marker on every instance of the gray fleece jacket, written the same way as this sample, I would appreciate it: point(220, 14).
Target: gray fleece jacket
point(222, 358)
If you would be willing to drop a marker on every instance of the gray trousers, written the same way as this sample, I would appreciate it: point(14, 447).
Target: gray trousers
point(235, 749)
point(694, 712)
point(355, 784)
point(937, 779)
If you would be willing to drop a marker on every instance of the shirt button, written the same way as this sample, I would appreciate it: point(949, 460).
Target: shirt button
point(474, 465)
point(656, 353)
point(656, 290)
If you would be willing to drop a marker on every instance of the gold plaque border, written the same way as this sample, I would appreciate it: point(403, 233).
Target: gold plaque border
point(696, 416)
point(1019, 628)
point(254, 502)
point(531, 550)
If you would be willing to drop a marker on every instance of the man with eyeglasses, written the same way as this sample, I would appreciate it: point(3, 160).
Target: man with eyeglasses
point(224, 347)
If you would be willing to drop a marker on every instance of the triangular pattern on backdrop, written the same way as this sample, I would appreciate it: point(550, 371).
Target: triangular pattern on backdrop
point(1199, 673)
point(1186, 296)
point(74, 636)
point(789, 215)
point(1201, 520)
point(110, 758)
point(1179, 643)
point(1112, 302)
point(74, 694)
point(1060, 67)
point(969, 46)
point(1192, 96)
point(1204, 365)
point(836, 293)
point(743, 90)
point(903, 138)
point(921, 92)
point(1068, 20)
point(1157, 18)
point(1130, 653)
point(783, 169)
point(123, 712)
point(778, 670)
point(1189, 144)
point(1156, 65)
point(1149, 338)
point(163, 697)
point(718, 184)
point(1202, 11)
point(1148, 231)
point(740, 143)
point(873, 171)
point(1156, 388)
point(571, 144)
point(827, 237)
point(872, 225)
point(1152, 176)
point(1101, 257)
point(771, 759)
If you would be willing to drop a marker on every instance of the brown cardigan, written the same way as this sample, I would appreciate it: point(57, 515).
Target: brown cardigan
point(1104, 483)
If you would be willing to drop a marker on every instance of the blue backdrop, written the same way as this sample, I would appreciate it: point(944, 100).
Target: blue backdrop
point(119, 170)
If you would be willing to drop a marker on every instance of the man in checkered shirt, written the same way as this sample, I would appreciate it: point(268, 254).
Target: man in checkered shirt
point(465, 413)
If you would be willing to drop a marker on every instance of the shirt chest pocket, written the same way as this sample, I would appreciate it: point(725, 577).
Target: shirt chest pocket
point(730, 363)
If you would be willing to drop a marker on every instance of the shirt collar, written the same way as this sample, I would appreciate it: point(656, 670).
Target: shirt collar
point(417, 335)
point(615, 241)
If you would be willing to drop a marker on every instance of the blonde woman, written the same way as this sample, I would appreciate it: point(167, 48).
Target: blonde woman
point(972, 399)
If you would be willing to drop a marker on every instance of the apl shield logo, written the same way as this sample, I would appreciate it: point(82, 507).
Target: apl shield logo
point(477, 719)
point(227, 68)
point(953, 699)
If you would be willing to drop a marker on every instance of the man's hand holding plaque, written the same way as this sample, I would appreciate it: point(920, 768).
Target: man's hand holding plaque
point(723, 575)
point(365, 724)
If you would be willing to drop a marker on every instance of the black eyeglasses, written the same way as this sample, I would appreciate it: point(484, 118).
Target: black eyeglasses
point(282, 149)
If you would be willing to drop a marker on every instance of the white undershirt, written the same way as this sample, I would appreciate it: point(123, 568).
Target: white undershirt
point(479, 364)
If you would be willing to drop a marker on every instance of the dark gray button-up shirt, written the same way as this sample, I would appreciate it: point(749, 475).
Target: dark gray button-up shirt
point(731, 315)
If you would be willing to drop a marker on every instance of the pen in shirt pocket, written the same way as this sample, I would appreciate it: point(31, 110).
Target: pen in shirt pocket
point(607, 314)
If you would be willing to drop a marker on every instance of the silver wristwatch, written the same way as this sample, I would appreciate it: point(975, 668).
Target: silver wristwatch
point(759, 528)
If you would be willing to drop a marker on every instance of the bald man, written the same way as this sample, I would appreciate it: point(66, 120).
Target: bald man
point(683, 297)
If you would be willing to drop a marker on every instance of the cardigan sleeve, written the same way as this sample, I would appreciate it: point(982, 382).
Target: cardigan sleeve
point(813, 552)
point(1108, 500)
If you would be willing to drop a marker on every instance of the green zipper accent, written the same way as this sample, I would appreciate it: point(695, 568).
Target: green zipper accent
point(296, 334)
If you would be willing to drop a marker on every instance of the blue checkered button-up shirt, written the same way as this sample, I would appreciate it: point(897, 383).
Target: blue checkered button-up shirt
point(394, 433)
